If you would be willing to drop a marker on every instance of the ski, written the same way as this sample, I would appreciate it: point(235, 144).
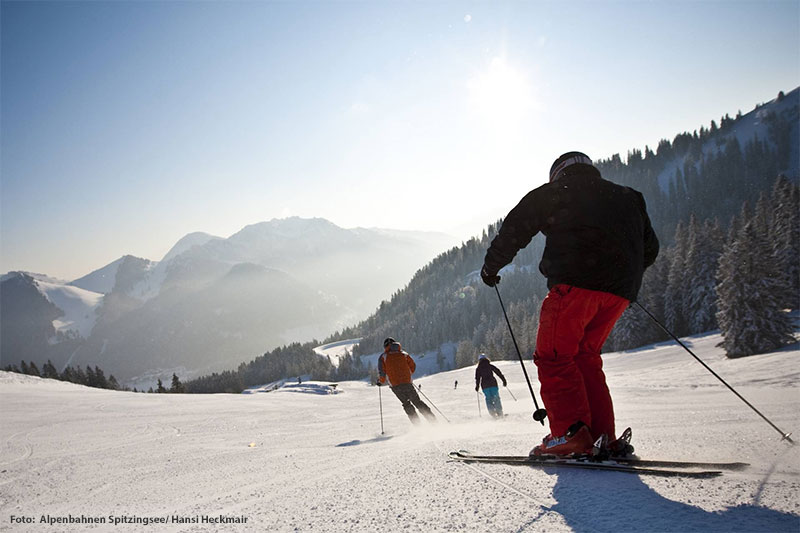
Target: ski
point(631, 461)
point(585, 463)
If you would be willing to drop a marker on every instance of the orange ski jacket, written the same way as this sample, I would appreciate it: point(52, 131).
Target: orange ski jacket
point(395, 364)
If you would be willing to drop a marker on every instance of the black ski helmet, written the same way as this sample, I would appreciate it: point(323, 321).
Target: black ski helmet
point(567, 160)
point(388, 341)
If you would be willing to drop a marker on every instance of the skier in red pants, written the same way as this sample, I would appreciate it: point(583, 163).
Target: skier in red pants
point(599, 241)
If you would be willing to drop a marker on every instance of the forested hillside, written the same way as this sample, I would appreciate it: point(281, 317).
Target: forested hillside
point(725, 205)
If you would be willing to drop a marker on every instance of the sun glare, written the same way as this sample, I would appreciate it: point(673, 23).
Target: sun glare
point(502, 94)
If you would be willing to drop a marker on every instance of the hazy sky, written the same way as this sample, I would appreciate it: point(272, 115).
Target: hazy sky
point(126, 125)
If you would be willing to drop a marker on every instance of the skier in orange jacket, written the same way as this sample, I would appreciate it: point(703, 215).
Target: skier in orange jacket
point(397, 366)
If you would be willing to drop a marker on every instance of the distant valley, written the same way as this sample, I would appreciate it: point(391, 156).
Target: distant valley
point(211, 302)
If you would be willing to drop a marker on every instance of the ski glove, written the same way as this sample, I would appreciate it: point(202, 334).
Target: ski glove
point(489, 279)
point(476, 388)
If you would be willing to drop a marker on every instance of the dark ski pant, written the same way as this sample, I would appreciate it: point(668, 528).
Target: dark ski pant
point(408, 396)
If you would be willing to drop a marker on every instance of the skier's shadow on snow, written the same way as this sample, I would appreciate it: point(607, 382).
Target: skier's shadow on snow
point(358, 442)
point(624, 502)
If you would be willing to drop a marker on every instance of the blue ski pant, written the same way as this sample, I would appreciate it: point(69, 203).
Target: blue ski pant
point(493, 403)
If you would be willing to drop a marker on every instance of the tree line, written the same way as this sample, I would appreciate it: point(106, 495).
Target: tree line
point(296, 359)
point(90, 377)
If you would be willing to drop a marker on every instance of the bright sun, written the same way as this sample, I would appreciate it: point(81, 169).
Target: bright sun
point(502, 94)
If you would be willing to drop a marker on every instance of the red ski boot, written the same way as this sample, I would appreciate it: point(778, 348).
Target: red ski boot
point(577, 441)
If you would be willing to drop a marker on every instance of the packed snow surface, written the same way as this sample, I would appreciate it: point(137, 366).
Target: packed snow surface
point(311, 457)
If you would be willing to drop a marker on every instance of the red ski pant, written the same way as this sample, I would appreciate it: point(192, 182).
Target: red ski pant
point(573, 325)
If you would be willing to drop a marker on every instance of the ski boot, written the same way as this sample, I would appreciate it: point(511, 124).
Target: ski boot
point(577, 441)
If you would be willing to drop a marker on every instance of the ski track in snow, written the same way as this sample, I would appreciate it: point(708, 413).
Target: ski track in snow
point(290, 461)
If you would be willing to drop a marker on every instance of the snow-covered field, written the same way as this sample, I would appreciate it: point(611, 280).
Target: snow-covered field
point(314, 459)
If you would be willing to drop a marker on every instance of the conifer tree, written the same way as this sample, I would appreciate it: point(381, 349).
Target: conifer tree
point(177, 386)
point(630, 331)
point(674, 295)
point(702, 261)
point(466, 354)
point(66, 374)
point(91, 378)
point(749, 294)
point(160, 388)
point(651, 296)
point(100, 378)
point(33, 370)
point(49, 370)
point(785, 237)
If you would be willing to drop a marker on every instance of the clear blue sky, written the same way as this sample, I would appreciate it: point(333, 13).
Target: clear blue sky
point(126, 125)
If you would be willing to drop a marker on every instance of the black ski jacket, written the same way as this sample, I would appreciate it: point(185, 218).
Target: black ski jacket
point(598, 233)
point(484, 377)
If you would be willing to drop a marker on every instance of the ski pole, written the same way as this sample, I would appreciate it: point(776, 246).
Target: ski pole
point(429, 400)
point(380, 402)
point(784, 435)
point(478, 397)
point(511, 393)
point(539, 414)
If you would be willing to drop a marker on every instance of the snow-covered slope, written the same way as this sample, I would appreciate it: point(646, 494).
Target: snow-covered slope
point(291, 461)
point(79, 306)
point(101, 280)
point(335, 350)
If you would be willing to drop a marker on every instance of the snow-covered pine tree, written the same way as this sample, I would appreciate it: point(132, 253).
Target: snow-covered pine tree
point(785, 237)
point(652, 294)
point(630, 331)
point(466, 354)
point(480, 330)
point(749, 295)
point(702, 262)
point(675, 292)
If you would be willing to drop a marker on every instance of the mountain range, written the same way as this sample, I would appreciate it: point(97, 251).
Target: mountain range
point(210, 302)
